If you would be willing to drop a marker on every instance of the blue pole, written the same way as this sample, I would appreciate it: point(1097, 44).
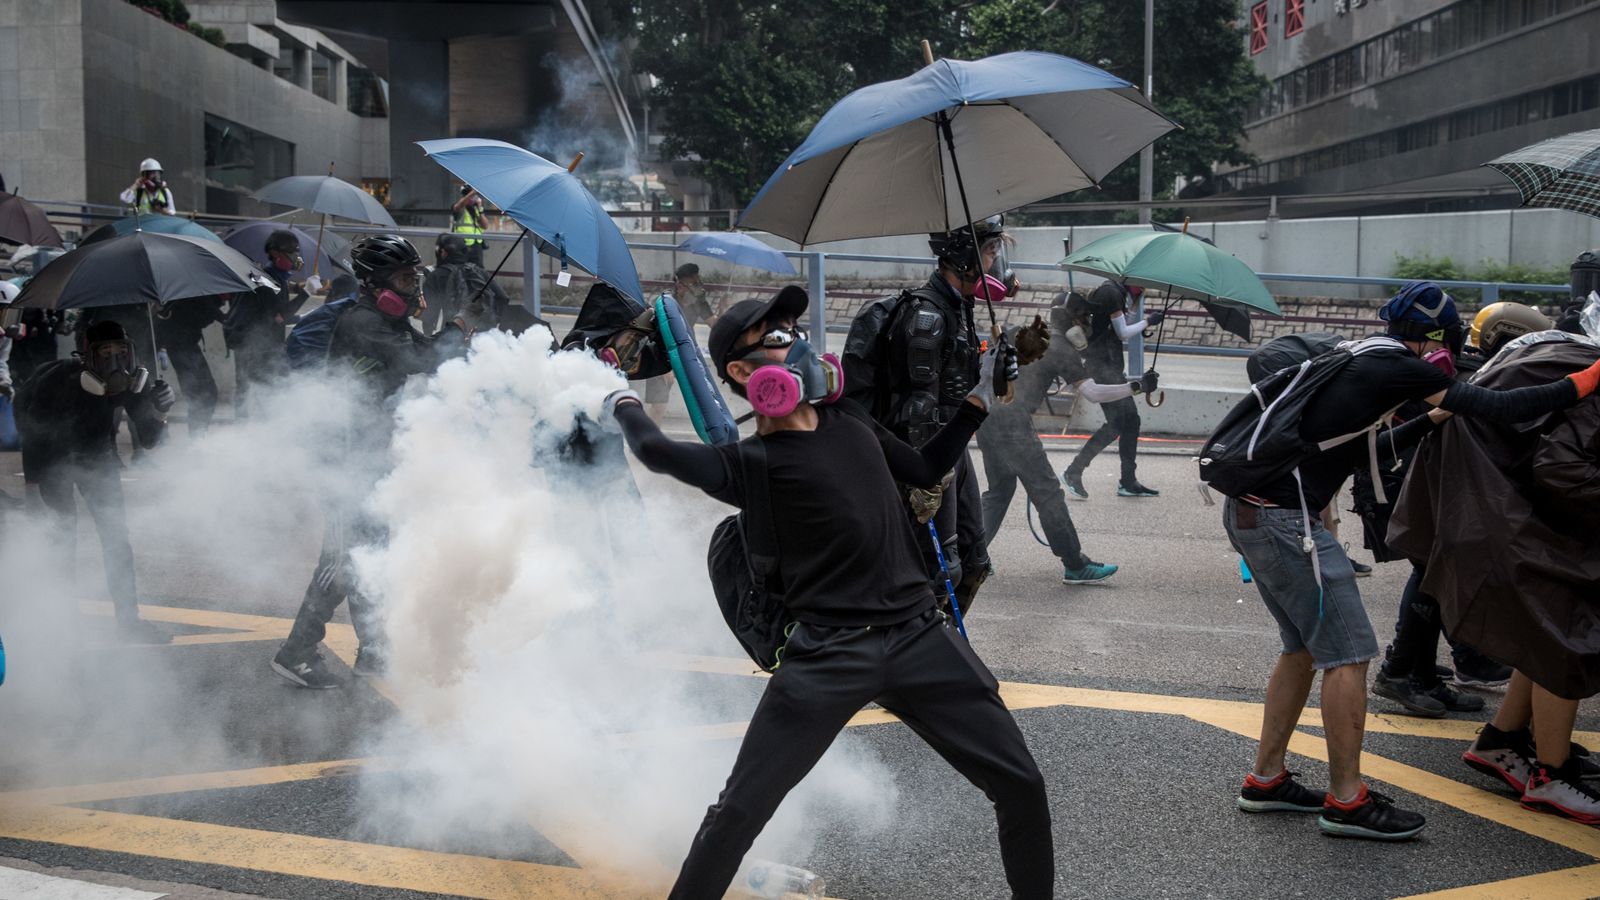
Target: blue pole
point(950, 589)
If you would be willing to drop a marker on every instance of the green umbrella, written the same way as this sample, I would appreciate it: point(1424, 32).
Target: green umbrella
point(1182, 265)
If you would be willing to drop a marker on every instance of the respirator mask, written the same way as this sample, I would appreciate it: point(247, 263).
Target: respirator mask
point(399, 294)
point(111, 370)
point(777, 389)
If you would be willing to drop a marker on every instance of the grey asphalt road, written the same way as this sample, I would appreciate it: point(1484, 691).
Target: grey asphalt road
point(1140, 762)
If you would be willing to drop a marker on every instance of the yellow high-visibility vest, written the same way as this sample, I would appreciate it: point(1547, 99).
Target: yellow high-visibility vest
point(470, 221)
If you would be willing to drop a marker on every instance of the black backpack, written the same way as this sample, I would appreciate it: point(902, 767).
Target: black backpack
point(743, 559)
point(1259, 439)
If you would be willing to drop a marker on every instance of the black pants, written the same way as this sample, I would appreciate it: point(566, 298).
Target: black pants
point(1122, 424)
point(1416, 637)
point(928, 676)
point(99, 480)
point(195, 379)
point(1009, 458)
point(332, 583)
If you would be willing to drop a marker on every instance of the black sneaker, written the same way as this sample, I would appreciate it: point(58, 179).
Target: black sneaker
point(1506, 755)
point(1455, 701)
point(1073, 481)
point(1480, 672)
point(370, 663)
point(1372, 816)
point(312, 672)
point(1281, 794)
point(141, 631)
point(1587, 764)
point(1362, 569)
point(1135, 489)
point(1563, 791)
point(1405, 692)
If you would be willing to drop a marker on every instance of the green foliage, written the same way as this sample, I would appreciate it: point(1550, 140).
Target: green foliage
point(1429, 268)
point(173, 11)
point(741, 83)
point(211, 36)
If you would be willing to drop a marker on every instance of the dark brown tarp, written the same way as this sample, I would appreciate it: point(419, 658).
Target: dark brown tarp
point(1507, 520)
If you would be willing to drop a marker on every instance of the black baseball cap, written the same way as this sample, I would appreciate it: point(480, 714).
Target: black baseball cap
point(792, 301)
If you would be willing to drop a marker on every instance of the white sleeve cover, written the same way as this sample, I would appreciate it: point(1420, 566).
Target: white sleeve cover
point(1095, 392)
point(1126, 330)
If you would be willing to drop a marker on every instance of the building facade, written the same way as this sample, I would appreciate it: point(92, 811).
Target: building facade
point(1398, 96)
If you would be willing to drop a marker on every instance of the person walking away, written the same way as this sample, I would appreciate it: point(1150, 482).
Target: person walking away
point(257, 322)
point(1013, 452)
point(1314, 599)
point(1110, 326)
point(65, 416)
point(867, 627)
point(180, 331)
point(690, 292)
point(375, 349)
point(468, 219)
point(149, 192)
point(456, 281)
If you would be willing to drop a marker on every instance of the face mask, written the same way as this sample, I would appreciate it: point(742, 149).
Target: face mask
point(392, 304)
point(777, 389)
point(1441, 359)
point(110, 370)
point(990, 288)
point(283, 262)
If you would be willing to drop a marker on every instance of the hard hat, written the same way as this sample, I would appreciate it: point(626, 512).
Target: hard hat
point(1500, 322)
point(151, 165)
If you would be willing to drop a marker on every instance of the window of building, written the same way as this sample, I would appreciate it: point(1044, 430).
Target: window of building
point(368, 95)
point(1258, 28)
point(1294, 17)
point(242, 158)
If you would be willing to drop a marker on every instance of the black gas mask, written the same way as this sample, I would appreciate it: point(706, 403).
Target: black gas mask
point(110, 368)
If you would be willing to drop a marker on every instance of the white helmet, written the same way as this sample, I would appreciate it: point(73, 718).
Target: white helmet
point(150, 165)
point(8, 291)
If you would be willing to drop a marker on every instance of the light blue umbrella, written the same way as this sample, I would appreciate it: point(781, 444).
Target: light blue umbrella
point(883, 161)
point(739, 249)
point(153, 224)
point(566, 221)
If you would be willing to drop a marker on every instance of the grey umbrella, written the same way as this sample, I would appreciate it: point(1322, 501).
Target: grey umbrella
point(327, 195)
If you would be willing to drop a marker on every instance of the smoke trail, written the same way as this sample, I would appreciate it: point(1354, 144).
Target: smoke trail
point(528, 602)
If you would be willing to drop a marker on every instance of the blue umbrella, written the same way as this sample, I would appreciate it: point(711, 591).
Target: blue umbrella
point(738, 249)
point(883, 160)
point(251, 239)
point(566, 221)
point(154, 224)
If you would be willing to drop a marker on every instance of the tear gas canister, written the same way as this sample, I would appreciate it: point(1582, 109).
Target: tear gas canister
point(772, 880)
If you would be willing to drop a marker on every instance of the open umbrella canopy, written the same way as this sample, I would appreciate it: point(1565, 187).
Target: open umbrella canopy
point(738, 249)
point(327, 195)
point(157, 224)
point(251, 240)
point(22, 222)
point(566, 221)
point(139, 268)
point(1026, 126)
point(1182, 265)
point(1560, 173)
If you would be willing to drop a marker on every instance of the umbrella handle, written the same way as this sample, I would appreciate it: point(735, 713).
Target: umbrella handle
point(1156, 399)
point(1011, 386)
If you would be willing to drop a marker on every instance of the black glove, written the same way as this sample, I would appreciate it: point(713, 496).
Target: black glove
point(1155, 318)
point(1010, 366)
point(162, 397)
point(1149, 381)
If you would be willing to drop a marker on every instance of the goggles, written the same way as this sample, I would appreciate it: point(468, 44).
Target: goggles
point(777, 339)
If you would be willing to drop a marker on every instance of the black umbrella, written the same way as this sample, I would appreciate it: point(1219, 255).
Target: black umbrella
point(142, 267)
point(22, 222)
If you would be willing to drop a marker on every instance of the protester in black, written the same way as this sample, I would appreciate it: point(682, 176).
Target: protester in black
point(375, 347)
point(66, 415)
point(180, 329)
point(1314, 598)
point(457, 280)
point(1108, 328)
point(257, 322)
point(867, 627)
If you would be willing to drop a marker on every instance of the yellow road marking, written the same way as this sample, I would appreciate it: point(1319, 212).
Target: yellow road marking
point(1580, 883)
point(177, 784)
point(310, 857)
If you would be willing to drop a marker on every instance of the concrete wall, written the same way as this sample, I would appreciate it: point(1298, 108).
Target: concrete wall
point(88, 88)
point(41, 98)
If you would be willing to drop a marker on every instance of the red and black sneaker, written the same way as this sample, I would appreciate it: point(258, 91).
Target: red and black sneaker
point(1563, 791)
point(1281, 794)
point(1370, 815)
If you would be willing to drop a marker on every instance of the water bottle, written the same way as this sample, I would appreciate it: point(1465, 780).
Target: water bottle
point(165, 362)
point(772, 880)
point(1244, 571)
point(2, 662)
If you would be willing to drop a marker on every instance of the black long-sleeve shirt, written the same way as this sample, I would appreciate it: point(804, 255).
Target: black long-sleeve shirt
point(847, 556)
point(60, 422)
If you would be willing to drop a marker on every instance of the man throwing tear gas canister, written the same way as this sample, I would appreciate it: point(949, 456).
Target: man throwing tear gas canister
point(910, 360)
point(375, 349)
point(67, 416)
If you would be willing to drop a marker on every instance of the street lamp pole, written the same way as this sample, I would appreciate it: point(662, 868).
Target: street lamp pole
point(1147, 156)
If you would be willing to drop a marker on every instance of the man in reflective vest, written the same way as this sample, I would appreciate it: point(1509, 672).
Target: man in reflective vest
point(150, 194)
point(466, 217)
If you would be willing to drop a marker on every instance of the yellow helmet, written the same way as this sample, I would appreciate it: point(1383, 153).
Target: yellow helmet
point(1500, 322)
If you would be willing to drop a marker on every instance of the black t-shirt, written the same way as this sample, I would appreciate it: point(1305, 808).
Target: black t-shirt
point(1369, 386)
point(847, 556)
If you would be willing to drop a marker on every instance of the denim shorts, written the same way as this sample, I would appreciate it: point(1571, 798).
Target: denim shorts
point(1329, 621)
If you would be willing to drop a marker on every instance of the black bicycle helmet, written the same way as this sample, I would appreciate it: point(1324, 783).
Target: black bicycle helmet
point(955, 248)
point(284, 241)
point(378, 255)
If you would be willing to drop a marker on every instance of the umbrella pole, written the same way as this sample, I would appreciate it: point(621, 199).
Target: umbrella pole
point(496, 273)
point(1161, 396)
point(155, 347)
point(972, 228)
point(316, 258)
